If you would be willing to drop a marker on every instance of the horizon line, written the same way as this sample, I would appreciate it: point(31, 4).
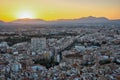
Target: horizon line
point(58, 19)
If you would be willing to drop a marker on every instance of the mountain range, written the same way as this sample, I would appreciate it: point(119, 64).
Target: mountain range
point(89, 19)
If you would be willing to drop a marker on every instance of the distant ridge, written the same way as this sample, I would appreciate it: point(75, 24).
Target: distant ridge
point(89, 19)
point(1, 21)
point(29, 21)
point(92, 19)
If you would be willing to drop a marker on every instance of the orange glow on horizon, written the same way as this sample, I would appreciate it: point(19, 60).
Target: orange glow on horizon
point(58, 9)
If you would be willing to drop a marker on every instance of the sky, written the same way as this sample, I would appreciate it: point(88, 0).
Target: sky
point(58, 9)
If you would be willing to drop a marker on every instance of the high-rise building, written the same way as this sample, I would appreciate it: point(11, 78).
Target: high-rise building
point(38, 44)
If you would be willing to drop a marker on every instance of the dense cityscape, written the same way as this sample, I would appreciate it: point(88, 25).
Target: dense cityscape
point(60, 53)
point(59, 39)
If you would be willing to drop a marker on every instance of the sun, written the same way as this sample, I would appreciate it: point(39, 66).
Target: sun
point(25, 15)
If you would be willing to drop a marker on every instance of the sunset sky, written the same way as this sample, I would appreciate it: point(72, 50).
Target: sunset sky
point(58, 9)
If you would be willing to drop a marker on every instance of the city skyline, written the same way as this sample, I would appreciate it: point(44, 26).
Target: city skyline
point(58, 9)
